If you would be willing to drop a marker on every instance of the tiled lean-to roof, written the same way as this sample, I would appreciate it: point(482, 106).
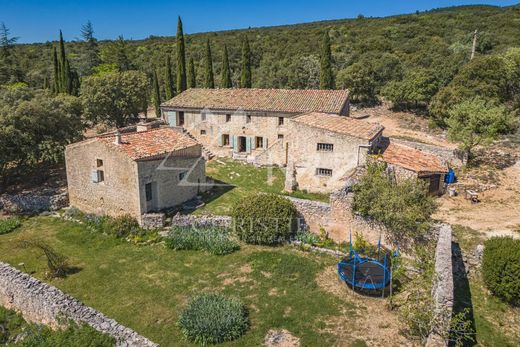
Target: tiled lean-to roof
point(413, 159)
point(341, 124)
point(150, 143)
point(273, 100)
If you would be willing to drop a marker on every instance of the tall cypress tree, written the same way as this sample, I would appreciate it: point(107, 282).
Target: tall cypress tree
point(156, 94)
point(181, 58)
point(192, 75)
point(169, 85)
point(56, 85)
point(208, 62)
point(64, 67)
point(245, 77)
point(225, 78)
point(326, 77)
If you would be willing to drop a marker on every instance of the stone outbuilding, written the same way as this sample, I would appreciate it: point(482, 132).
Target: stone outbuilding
point(248, 124)
point(134, 173)
point(323, 149)
point(406, 162)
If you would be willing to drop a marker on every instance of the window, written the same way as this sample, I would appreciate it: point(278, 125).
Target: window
point(203, 132)
point(259, 142)
point(228, 118)
point(280, 120)
point(323, 172)
point(325, 147)
point(98, 176)
point(225, 140)
point(248, 118)
point(99, 162)
point(182, 175)
point(280, 136)
point(203, 116)
point(148, 191)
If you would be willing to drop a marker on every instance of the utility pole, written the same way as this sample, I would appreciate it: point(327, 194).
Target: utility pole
point(474, 47)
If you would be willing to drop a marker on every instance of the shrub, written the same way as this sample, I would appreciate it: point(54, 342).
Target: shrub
point(73, 213)
point(122, 226)
point(264, 219)
point(213, 318)
point(307, 237)
point(501, 268)
point(56, 263)
point(217, 241)
point(9, 224)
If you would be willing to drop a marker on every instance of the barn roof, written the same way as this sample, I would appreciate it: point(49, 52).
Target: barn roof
point(273, 100)
point(341, 124)
point(413, 159)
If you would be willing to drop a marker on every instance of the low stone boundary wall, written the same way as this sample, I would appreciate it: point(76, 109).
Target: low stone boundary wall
point(312, 214)
point(442, 291)
point(42, 303)
point(33, 203)
point(201, 221)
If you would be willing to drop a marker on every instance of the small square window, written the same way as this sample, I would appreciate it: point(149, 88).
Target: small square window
point(259, 142)
point(98, 176)
point(203, 116)
point(203, 132)
point(280, 136)
point(325, 147)
point(228, 118)
point(323, 172)
point(148, 191)
point(225, 140)
point(248, 118)
point(99, 162)
point(280, 120)
point(182, 175)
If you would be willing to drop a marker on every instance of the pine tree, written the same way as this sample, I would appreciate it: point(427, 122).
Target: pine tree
point(169, 85)
point(225, 78)
point(208, 62)
point(156, 94)
point(245, 78)
point(326, 77)
point(192, 76)
point(121, 54)
point(181, 58)
point(91, 47)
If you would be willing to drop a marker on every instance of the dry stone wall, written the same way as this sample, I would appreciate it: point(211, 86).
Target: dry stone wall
point(41, 303)
point(33, 202)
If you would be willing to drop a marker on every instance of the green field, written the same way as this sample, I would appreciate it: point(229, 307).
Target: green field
point(145, 287)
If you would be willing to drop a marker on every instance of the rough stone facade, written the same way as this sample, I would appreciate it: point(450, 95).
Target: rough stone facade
point(41, 303)
point(442, 291)
point(306, 158)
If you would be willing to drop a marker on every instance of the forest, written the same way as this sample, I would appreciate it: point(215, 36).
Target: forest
point(421, 62)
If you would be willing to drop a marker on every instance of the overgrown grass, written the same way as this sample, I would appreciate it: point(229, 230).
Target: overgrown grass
point(9, 224)
point(147, 287)
point(216, 241)
point(237, 179)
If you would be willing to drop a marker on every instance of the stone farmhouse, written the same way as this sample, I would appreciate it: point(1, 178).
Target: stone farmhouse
point(248, 124)
point(324, 149)
point(136, 172)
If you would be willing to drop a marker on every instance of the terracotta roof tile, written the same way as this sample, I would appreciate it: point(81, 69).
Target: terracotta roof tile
point(274, 100)
point(413, 159)
point(341, 124)
point(151, 143)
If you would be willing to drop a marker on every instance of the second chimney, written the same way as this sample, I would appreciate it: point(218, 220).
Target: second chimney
point(117, 139)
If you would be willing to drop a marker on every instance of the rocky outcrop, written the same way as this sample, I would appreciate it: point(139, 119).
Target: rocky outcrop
point(41, 303)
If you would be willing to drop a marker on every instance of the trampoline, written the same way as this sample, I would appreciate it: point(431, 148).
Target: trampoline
point(366, 273)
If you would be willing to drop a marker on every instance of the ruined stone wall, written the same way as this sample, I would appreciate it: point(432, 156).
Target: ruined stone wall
point(442, 291)
point(118, 194)
point(41, 303)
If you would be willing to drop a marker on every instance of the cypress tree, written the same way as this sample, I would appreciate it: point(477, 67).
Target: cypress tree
point(156, 94)
point(326, 77)
point(225, 79)
point(181, 58)
point(63, 67)
point(169, 85)
point(192, 76)
point(209, 81)
point(245, 77)
point(56, 85)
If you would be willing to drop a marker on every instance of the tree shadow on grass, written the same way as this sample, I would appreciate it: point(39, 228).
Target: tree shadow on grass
point(462, 292)
point(217, 191)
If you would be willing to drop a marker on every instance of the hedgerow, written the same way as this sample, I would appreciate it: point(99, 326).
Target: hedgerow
point(264, 219)
point(501, 268)
point(213, 318)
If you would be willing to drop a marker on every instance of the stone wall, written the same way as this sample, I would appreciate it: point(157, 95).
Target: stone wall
point(34, 202)
point(41, 303)
point(312, 215)
point(453, 157)
point(201, 221)
point(442, 291)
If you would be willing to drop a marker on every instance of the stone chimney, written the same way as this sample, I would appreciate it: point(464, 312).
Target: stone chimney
point(117, 139)
point(143, 126)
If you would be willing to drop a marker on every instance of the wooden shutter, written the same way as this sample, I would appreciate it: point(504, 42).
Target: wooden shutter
point(265, 142)
point(248, 144)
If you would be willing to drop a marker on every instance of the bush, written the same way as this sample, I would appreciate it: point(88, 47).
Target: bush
point(217, 241)
point(501, 268)
point(57, 263)
point(9, 224)
point(122, 226)
point(213, 318)
point(264, 219)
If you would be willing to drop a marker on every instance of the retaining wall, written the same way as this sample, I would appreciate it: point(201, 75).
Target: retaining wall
point(42, 303)
point(33, 202)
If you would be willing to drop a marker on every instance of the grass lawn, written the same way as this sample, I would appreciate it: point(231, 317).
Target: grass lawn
point(496, 323)
point(238, 179)
point(146, 287)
